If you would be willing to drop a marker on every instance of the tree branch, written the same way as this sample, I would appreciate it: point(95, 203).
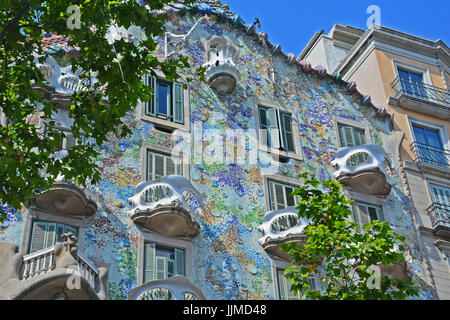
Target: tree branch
point(10, 24)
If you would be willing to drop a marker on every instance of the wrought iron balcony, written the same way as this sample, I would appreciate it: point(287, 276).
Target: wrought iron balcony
point(440, 217)
point(363, 168)
point(432, 155)
point(403, 86)
point(166, 206)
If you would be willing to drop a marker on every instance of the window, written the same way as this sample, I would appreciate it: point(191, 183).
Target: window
point(167, 101)
point(277, 128)
point(67, 139)
point(351, 136)
point(440, 194)
point(46, 234)
point(364, 213)
point(162, 262)
point(412, 83)
point(429, 146)
point(279, 196)
point(160, 165)
point(284, 287)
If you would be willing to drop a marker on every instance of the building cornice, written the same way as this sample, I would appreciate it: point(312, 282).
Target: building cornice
point(432, 52)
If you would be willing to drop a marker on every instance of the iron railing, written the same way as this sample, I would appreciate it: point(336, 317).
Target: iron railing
point(439, 214)
point(403, 86)
point(429, 154)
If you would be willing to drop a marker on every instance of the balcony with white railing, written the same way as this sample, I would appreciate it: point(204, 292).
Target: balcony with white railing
point(173, 288)
point(43, 261)
point(280, 227)
point(421, 97)
point(222, 73)
point(440, 218)
point(167, 206)
point(56, 272)
point(363, 168)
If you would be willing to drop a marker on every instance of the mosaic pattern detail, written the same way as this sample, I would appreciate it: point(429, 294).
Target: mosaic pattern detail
point(227, 260)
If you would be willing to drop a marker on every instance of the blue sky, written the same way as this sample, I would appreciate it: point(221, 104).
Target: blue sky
point(292, 23)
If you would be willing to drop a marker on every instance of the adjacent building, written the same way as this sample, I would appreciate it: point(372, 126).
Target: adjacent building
point(409, 76)
point(194, 204)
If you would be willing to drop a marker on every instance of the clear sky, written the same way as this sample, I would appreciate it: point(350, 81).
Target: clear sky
point(292, 23)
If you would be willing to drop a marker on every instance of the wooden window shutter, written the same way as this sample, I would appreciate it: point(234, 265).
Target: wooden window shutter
point(273, 128)
point(159, 166)
point(286, 122)
point(150, 105)
point(70, 140)
point(282, 285)
point(38, 236)
point(178, 103)
point(179, 262)
point(51, 235)
point(161, 268)
point(149, 262)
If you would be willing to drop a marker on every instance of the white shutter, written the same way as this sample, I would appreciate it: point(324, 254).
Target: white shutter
point(179, 262)
point(178, 103)
point(150, 166)
point(149, 262)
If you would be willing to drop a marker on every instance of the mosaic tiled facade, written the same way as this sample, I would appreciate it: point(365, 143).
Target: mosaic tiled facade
point(226, 261)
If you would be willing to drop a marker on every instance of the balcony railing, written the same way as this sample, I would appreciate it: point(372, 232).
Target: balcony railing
point(43, 261)
point(432, 155)
point(420, 90)
point(439, 214)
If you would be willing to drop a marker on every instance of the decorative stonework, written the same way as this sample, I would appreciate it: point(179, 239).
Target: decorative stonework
point(173, 288)
point(166, 206)
point(281, 227)
point(222, 73)
point(363, 168)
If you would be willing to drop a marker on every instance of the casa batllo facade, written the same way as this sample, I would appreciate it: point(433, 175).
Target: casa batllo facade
point(194, 204)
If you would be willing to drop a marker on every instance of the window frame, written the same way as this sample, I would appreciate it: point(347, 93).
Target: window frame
point(182, 156)
point(152, 237)
point(262, 103)
point(277, 265)
point(172, 250)
point(443, 135)
point(34, 222)
point(35, 214)
point(277, 179)
point(162, 123)
point(352, 123)
point(358, 221)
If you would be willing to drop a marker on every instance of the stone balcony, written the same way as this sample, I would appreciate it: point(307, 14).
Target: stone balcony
point(166, 206)
point(280, 227)
point(59, 272)
point(65, 199)
point(222, 73)
point(363, 168)
point(173, 288)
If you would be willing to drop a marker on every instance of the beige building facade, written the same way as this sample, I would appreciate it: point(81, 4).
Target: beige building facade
point(409, 76)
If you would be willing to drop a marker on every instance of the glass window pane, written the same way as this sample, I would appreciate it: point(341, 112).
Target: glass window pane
point(163, 92)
